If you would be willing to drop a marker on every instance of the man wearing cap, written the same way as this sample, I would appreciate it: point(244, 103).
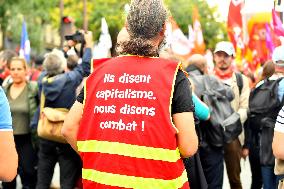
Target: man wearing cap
point(223, 57)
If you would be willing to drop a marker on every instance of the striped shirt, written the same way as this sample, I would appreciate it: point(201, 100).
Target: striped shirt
point(279, 125)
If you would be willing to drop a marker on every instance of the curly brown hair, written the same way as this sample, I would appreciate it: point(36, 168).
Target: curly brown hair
point(145, 21)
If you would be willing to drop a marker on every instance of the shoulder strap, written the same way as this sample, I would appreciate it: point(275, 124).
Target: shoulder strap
point(42, 98)
point(240, 82)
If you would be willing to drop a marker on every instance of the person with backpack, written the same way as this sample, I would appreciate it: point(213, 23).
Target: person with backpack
point(213, 134)
point(192, 164)
point(57, 88)
point(265, 102)
point(255, 132)
point(223, 57)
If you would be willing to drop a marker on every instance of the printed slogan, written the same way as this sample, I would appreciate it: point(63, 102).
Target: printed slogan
point(125, 109)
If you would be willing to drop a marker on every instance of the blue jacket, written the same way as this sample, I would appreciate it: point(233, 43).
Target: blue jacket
point(60, 90)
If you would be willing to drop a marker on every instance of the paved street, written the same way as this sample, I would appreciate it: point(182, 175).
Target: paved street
point(245, 177)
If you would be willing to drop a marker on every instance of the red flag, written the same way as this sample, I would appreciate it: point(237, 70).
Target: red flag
point(277, 24)
point(235, 24)
point(199, 45)
point(235, 30)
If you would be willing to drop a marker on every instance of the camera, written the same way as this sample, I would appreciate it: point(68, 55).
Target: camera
point(77, 37)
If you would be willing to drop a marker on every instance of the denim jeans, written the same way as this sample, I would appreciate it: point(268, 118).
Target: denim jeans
point(27, 163)
point(268, 177)
point(69, 162)
point(254, 160)
point(212, 160)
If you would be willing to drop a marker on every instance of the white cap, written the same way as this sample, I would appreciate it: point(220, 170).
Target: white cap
point(278, 54)
point(226, 47)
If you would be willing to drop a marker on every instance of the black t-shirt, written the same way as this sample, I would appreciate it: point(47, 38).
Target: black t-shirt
point(182, 97)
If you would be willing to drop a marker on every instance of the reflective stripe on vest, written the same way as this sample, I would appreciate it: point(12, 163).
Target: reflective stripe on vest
point(146, 157)
point(133, 182)
point(129, 150)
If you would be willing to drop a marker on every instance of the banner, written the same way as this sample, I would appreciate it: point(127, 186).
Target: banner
point(25, 48)
point(199, 45)
point(277, 24)
point(177, 41)
point(235, 30)
point(102, 49)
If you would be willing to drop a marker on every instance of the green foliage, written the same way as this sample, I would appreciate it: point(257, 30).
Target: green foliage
point(35, 13)
point(112, 10)
point(38, 13)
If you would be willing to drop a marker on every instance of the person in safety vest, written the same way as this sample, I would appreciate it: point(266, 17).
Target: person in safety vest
point(133, 121)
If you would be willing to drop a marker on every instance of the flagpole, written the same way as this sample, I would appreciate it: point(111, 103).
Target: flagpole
point(61, 7)
point(85, 20)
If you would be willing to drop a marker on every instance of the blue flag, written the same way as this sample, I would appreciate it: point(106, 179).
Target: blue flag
point(25, 43)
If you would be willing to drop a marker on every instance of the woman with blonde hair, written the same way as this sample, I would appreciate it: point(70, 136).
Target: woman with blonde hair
point(22, 97)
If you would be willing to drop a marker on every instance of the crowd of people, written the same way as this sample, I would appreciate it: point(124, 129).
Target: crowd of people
point(178, 130)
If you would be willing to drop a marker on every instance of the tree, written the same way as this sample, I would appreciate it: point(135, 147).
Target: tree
point(112, 10)
point(36, 15)
point(39, 13)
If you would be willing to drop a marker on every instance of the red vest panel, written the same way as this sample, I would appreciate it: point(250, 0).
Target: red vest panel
point(126, 137)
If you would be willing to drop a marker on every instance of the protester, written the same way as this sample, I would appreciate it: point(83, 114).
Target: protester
point(253, 130)
point(268, 70)
point(278, 136)
point(278, 58)
point(5, 59)
point(197, 63)
point(257, 139)
point(210, 154)
point(192, 164)
point(36, 68)
point(223, 56)
point(120, 145)
point(278, 151)
point(58, 86)
point(22, 97)
point(9, 156)
point(201, 110)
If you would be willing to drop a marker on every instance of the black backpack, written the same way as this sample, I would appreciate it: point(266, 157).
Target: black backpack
point(224, 123)
point(264, 106)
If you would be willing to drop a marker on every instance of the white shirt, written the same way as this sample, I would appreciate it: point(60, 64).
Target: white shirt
point(279, 125)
